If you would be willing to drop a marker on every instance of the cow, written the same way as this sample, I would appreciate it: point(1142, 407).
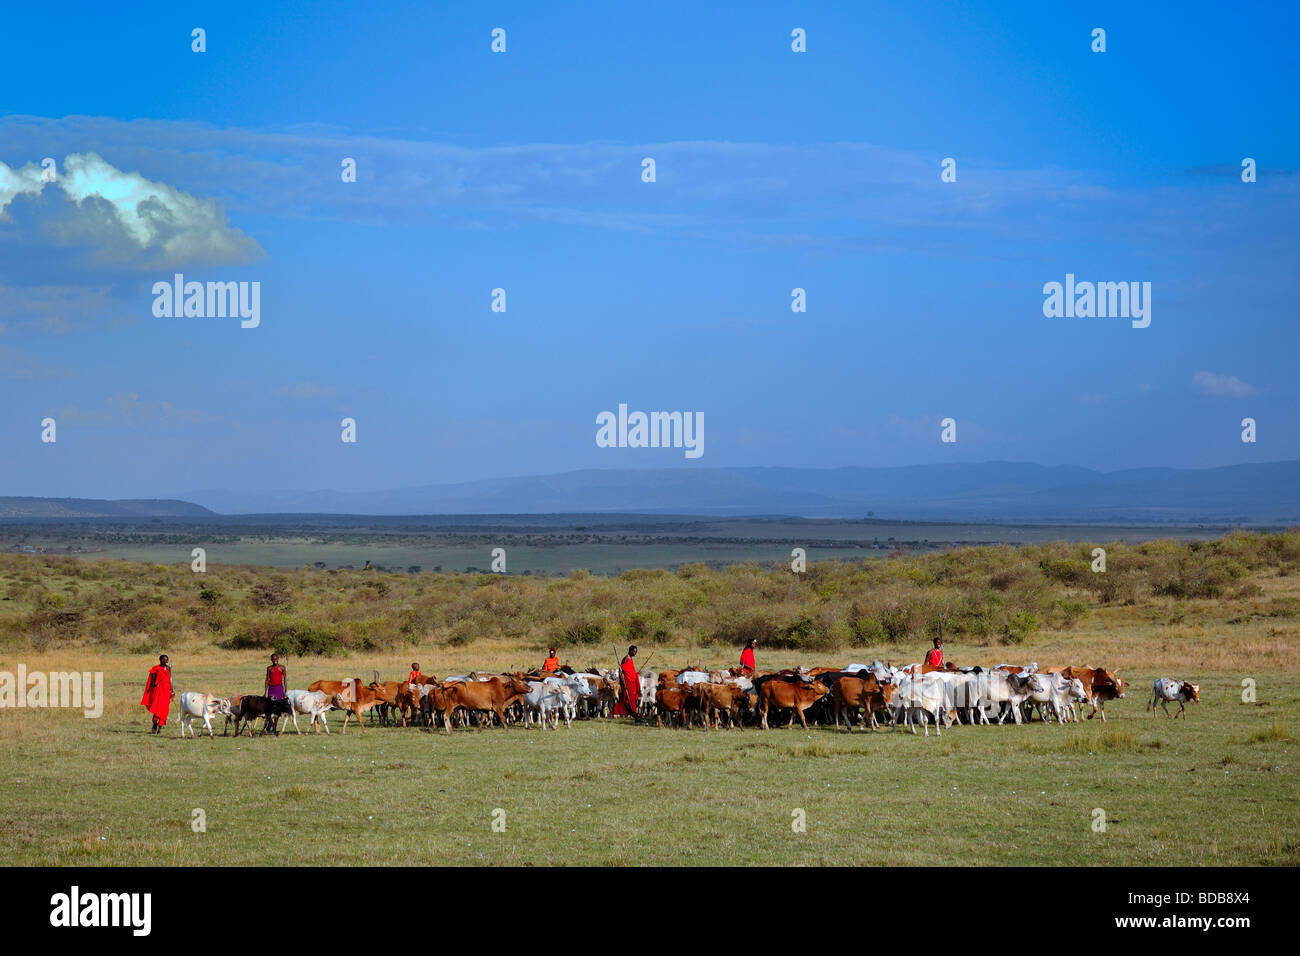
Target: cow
point(999, 688)
point(388, 693)
point(1099, 684)
point(549, 698)
point(670, 700)
point(603, 692)
point(345, 690)
point(231, 711)
point(312, 703)
point(493, 695)
point(394, 695)
point(850, 693)
point(357, 703)
point(1166, 689)
point(794, 695)
point(252, 706)
point(196, 706)
point(1051, 692)
point(923, 698)
point(717, 699)
point(646, 703)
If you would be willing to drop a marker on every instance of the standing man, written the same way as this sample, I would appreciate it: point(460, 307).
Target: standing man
point(747, 655)
point(276, 677)
point(551, 664)
point(416, 676)
point(158, 693)
point(935, 656)
point(629, 697)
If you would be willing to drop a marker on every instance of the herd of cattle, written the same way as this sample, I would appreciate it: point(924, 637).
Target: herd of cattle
point(856, 693)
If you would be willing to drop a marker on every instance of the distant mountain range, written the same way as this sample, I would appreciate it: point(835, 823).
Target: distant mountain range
point(1265, 493)
point(1010, 492)
point(128, 508)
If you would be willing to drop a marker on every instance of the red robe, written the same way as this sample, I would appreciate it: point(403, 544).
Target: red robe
point(935, 657)
point(630, 697)
point(747, 658)
point(158, 692)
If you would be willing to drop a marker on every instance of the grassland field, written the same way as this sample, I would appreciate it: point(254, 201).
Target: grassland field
point(1221, 787)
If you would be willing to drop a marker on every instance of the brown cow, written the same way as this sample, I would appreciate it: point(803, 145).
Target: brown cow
point(670, 701)
point(364, 699)
point(717, 699)
point(795, 695)
point(850, 693)
point(1099, 684)
point(495, 695)
point(333, 688)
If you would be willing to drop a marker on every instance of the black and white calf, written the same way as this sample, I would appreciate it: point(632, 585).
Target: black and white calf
point(1167, 689)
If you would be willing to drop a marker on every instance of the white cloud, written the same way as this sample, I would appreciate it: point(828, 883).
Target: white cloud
point(1222, 386)
point(128, 216)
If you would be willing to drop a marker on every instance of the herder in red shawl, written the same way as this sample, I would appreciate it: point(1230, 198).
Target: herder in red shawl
point(629, 697)
point(935, 656)
point(747, 655)
point(158, 693)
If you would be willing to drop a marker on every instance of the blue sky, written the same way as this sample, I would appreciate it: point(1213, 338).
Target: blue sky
point(521, 170)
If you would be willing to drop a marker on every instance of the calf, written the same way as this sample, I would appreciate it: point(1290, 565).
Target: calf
point(252, 707)
point(1167, 689)
point(670, 701)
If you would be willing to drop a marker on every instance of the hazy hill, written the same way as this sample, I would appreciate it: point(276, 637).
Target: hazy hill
point(96, 508)
point(988, 491)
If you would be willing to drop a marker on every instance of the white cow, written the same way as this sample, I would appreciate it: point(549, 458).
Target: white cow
point(196, 706)
point(649, 684)
point(1051, 692)
point(550, 698)
point(1166, 689)
point(690, 678)
point(314, 703)
point(922, 699)
point(997, 688)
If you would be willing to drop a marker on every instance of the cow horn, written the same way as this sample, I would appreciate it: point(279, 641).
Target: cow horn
point(377, 680)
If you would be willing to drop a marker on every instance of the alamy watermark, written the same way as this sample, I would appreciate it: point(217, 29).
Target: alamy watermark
point(179, 299)
point(1085, 300)
point(651, 430)
point(79, 689)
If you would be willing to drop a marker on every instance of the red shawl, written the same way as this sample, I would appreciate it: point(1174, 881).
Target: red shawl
point(158, 692)
point(630, 697)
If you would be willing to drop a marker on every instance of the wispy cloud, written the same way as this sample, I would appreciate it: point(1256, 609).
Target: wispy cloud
point(126, 408)
point(1221, 386)
point(306, 390)
point(22, 366)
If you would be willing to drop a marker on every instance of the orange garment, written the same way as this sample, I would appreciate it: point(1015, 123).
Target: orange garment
point(415, 675)
point(551, 664)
